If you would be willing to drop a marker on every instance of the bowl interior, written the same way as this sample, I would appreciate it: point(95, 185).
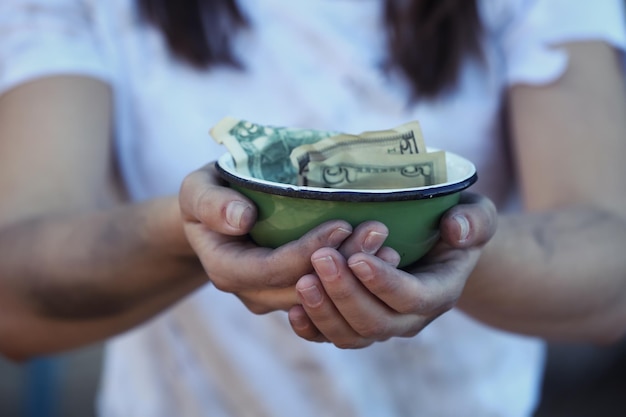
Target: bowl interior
point(461, 174)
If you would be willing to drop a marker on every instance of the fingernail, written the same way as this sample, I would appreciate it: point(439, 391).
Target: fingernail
point(373, 242)
point(337, 237)
point(325, 266)
point(235, 212)
point(464, 227)
point(311, 295)
point(299, 322)
point(362, 270)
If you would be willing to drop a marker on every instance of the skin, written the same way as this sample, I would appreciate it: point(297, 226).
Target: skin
point(557, 271)
point(78, 264)
point(357, 298)
point(569, 245)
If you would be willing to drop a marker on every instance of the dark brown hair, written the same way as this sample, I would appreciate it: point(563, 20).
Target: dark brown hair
point(428, 39)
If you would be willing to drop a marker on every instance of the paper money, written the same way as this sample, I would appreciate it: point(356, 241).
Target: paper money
point(393, 158)
point(263, 151)
point(362, 170)
point(404, 140)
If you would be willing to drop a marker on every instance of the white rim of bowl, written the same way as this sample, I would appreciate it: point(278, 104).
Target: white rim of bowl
point(226, 169)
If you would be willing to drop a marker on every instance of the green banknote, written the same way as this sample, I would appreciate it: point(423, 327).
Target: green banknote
point(392, 158)
point(263, 151)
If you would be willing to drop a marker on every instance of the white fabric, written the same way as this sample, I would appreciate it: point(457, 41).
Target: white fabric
point(310, 64)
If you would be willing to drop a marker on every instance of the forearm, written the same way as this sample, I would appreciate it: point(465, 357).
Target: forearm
point(88, 276)
point(559, 275)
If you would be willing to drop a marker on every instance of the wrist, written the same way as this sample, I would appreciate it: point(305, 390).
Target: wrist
point(164, 228)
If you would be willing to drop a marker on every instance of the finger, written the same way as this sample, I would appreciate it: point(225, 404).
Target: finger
point(303, 326)
point(266, 301)
point(362, 310)
point(324, 316)
point(367, 237)
point(239, 265)
point(389, 255)
point(470, 223)
point(429, 290)
point(204, 200)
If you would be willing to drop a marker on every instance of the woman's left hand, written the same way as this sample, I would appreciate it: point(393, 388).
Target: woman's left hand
point(357, 297)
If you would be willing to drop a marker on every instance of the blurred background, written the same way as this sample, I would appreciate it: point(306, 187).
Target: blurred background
point(580, 381)
point(59, 386)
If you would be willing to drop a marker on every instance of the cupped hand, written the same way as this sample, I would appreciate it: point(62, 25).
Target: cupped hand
point(217, 219)
point(357, 296)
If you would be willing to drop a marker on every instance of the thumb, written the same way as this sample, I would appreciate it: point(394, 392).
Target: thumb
point(472, 222)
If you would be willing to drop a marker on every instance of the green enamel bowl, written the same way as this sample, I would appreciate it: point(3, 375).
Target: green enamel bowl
point(286, 212)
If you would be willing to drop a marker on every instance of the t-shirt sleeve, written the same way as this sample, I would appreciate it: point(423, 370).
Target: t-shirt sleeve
point(48, 37)
point(529, 38)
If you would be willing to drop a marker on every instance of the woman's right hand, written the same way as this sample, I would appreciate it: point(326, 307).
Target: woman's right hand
point(217, 220)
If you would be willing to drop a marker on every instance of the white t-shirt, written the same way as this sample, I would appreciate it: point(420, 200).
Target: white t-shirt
point(309, 63)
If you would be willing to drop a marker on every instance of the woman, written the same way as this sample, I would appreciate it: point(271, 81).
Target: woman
point(92, 90)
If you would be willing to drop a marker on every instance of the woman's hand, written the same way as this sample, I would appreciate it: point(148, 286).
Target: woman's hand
point(216, 222)
point(323, 278)
point(357, 295)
